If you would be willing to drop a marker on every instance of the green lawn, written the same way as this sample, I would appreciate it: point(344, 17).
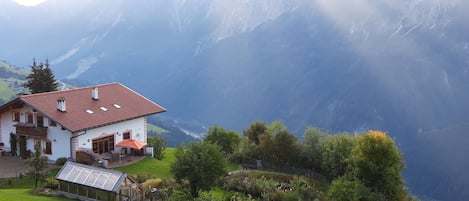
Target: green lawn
point(155, 128)
point(19, 189)
point(23, 194)
point(16, 183)
point(159, 169)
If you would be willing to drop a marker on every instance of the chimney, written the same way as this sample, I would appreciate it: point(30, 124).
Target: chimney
point(94, 93)
point(61, 104)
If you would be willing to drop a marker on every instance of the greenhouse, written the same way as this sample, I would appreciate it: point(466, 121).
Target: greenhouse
point(85, 182)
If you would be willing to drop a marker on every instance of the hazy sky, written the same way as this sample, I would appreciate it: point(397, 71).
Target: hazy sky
point(29, 2)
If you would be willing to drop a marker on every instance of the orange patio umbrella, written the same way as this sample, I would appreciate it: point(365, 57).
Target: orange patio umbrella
point(131, 143)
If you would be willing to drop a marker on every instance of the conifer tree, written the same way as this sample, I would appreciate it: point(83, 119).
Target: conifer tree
point(41, 78)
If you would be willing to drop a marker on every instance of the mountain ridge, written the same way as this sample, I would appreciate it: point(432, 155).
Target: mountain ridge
point(396, 66)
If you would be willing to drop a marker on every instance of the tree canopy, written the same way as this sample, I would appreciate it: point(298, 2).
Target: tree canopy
point(377, 162)
point(255, 131)
point(226, 140)
point(41, 79)
point(159, 145)
point(336, 150)
point(201, 164)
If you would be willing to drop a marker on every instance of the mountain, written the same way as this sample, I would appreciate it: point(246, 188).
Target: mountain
point(399, 66)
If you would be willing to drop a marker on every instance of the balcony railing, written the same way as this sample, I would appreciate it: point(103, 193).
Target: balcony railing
point(31, 130)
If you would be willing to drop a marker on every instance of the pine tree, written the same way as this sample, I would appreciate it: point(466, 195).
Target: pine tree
point(41, 78)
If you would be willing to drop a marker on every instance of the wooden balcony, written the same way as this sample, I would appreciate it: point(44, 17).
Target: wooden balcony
point(31, 130)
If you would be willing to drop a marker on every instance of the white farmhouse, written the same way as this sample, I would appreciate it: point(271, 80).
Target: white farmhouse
point(92, 118)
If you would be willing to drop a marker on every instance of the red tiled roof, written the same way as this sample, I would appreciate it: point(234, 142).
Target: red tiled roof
point(78, 101)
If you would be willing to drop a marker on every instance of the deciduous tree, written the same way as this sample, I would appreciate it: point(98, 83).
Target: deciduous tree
point(377, 163)
point(226, 140)
point(201, 164)
point(336, 150)
point(38, 163)
point(255, 131)
point(311, 153)
point(159, 145)
point(285, 148)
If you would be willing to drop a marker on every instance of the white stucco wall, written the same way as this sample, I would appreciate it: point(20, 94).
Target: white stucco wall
point(8, 124)
point(60, 139)
point(136, 127)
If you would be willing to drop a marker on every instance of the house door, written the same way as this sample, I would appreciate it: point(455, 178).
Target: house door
point(103, 145)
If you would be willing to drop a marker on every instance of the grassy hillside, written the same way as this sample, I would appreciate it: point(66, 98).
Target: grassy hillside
point(156, 129)
point(6, 92)
point(13, 69)
point(11, 79)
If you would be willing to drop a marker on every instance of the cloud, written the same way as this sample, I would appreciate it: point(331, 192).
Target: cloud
point(65, 56)
point(82, 66)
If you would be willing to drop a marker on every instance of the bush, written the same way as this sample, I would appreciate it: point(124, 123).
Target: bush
point(154, 183)
point(343, 190)
point(51, 183)
point(236, 196)
point(142, 177)
point(278, 195)
point(84, 158)
point(180, 195)
point(245, 183)
point(305, 190)
point(61, 161)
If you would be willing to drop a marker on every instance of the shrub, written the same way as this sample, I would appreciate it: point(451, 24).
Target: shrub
point(13, 143)
point(243, 182)
point(180, 195)
point(61, 161)
point(305, 190)
point(153, 183)
point(342, 189)
point(51, 183)
point(278, 195)
point(84, 158)
point(236, 196)
point(142, 177)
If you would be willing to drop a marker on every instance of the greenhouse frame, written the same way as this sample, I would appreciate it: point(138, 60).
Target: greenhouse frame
point(85, 182)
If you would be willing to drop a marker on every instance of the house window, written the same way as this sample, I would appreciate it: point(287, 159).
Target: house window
point(29, 118)
point(48, 149)
point(40, 121)
point(102, 145)
point(52, 123)
point(16, 116)
point(126, 135)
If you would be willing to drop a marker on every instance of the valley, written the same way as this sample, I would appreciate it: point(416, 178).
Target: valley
point(400, 66)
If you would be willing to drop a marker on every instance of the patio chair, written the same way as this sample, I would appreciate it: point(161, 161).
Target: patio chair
point(123, 154)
